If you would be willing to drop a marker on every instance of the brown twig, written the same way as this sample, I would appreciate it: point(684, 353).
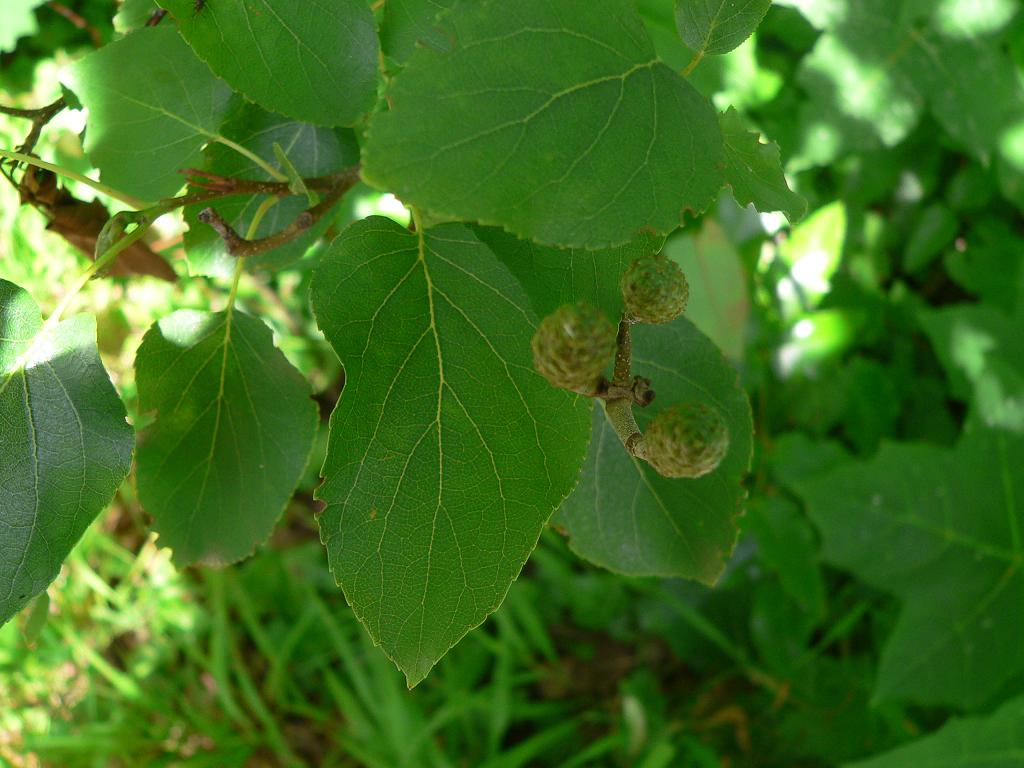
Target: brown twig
point(242, 248)
point(39, 117)
point(79, 21)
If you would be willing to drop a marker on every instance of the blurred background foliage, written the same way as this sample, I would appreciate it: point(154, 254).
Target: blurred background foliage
point(881, 340)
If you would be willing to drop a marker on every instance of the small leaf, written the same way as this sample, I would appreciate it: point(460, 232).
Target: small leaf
point(992, 741)
point(233, 431)
point(152, 106)
point(315, 62)
point(754, 170)
point(317, 152)
point(448, 452)
point(919, 521)
point(623, 515)
point(712, 27)
point(552, 119)
point(66, 445)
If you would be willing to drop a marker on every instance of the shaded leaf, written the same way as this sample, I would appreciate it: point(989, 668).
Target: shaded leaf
point(448, 453)
point(152, 106)
point(552, 277)
point(65, 445)
point(922, 521)
point(553, 120)
point(233, 430)
point(993, 741)
point(623, 515)
point(315, 62)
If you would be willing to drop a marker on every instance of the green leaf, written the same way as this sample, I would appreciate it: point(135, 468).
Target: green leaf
point(754, 170)
point(712, 27)
point(786, 544)
point(552, 277)
point(993, 741)
point(65, 445)
point(448, 453)
point(19, 21)
point(982, 350)
point(719, 305)
point(233, 431)
point(971, 86)
point(152, 106)
point(315, 62)
point(315, 151)
point(623, 515)
point(552, 119)
point(934, 230)
point(922, 521)
point(862, 91)
point(408, 23)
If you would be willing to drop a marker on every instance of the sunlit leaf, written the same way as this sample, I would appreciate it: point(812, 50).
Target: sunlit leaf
point(65, 445)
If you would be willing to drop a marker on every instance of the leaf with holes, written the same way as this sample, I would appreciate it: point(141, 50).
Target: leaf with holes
point(233, 431)
point(550, 118)
point(65, 445)
point(152, 106)
point(626, 517)
point(919, 521)
point(315, 62)
point(713, 27)
point(447, 453)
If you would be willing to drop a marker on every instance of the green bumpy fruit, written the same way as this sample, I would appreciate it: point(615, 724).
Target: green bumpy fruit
point(573, 346)
point(654, 289)
point(686, 440)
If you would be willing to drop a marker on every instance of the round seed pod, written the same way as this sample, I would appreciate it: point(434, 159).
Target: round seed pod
point(573, 346)
point(655, 289)
point(686, 440)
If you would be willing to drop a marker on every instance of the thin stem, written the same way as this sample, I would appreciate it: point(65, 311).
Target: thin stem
point(620, 416)
point(623, 354)
point(128, 200)
point(267, 167)
point(254, 226)
point(102, 262)
point(697, 58)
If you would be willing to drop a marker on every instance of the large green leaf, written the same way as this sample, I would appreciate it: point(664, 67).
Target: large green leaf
point(152, 106)
point(65, 446)
point(754, 170)
point(447, 453)
point(713, 27)
point(551, 118)
point(313, 150)
point(408, 23)
point(625, 516)
point(315, 62)
point(552, 277)
point(233, 431)
point(941, 529)
point(994, 741)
